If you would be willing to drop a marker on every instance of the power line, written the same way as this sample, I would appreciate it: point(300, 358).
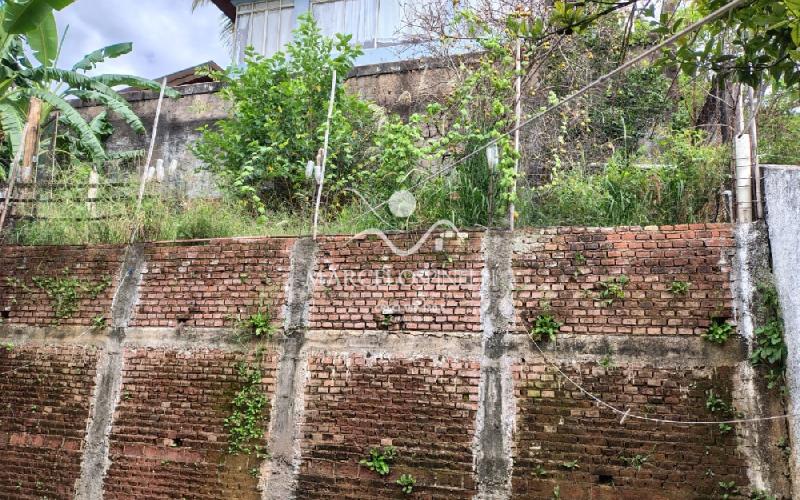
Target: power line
point(627, 413)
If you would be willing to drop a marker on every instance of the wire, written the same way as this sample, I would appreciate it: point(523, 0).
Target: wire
point(571, 97)
point(627, 413)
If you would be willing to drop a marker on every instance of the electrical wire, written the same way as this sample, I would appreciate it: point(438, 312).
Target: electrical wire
point(626, 414)
point(571, 97)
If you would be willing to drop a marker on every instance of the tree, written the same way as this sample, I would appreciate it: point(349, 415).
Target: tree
point(755, 43)
point(29, 27)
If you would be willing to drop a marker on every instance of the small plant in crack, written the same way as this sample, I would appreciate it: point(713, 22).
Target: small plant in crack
point(637, 461)
point(717, 405)
point(406, 482)
point(379, 459)
point(728, 489)
point(612, 290)
point(570, 465)
point(99, 323)
point(719, 332)
point(257, 326)
point(545, 327)
point(678, 287)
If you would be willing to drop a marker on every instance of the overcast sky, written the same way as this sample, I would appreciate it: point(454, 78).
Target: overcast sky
point(167, 36)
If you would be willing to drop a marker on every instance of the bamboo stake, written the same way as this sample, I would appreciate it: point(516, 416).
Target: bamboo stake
point(518, 119)
point(143, 178)
point(324, 152)
point(30, 141)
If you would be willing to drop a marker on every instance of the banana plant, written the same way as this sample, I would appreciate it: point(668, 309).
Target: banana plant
point(29, 27)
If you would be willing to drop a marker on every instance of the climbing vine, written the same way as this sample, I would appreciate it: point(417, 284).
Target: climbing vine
point(770, 349)
point(245, 424)
point(65, 292)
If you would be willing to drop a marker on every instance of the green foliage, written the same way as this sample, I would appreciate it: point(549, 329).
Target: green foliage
point(406, 482)
point(545, 327)
point(277, 123)
point(756, 42)
point(29, 28)
point(682, 187)
point(770, 350)
point(637, 461)
point(678, 287)
point(258, 325)
point(607, 361)
point(570, 465)
point(779, 127)
point(65, 292)
point(99, 323)
point(719, 332)
point(245, 424)
point(728, 490)
point(379, 460)
point(612, 290)
point(762, 495)
point(715, 404)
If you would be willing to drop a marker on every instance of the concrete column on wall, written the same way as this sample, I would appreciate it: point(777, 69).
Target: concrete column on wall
point(782, 192)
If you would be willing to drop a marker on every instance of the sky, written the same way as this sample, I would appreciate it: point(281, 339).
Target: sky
point(167, 36)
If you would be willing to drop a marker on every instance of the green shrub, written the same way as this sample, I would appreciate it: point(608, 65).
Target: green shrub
point(278, 119)
point(681, 188)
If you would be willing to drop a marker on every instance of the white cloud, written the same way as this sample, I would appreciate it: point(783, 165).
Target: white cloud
point(167, 36)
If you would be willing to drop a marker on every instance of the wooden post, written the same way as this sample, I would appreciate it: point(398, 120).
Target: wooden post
point(512, 210)
point(30, 148)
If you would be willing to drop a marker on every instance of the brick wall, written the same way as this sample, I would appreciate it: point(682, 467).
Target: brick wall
point(424, 407)
point(44, 406)
point(559, 271)
point(23, 301)
point(168, 438)
point(363, 285)
point(212, 283)
point(557, 424)
point(411, 386)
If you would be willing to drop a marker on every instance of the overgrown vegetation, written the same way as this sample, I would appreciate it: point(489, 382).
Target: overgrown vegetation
point(770, 351)
point(65, 292)
point(716, 405)
point(245, 424)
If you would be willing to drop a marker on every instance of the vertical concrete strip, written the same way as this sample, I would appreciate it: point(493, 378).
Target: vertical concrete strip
point(782, 191)
point(496, 406)
point(756, 440)
point(108, 381)
point(279, 472)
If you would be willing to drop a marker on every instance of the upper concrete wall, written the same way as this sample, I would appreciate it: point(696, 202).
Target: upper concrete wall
point(402, 88)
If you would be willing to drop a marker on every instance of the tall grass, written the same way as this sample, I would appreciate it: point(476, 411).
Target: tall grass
point(683, 186)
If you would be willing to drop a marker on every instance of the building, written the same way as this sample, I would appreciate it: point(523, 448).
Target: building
point(379, 26)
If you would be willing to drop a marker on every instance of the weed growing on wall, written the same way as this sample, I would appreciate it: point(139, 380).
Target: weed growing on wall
point(716, 405)
point(379, 459)
point(678, 287)
point(719, 332)
point(770, 350)
point(66, 292)
point(245, 424)
point(612, 290)
point(406, 482)
point(545, 327)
